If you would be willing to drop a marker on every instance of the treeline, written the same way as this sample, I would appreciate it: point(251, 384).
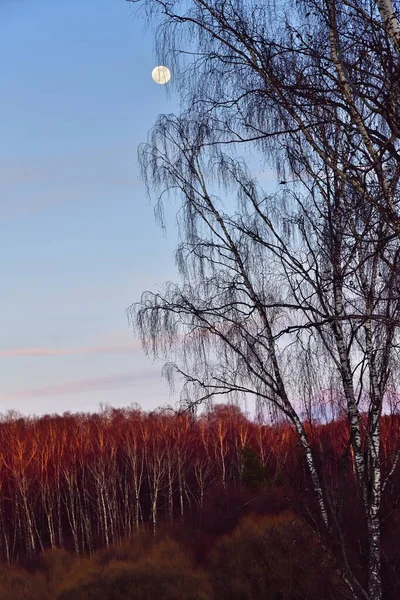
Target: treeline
point(84, 482)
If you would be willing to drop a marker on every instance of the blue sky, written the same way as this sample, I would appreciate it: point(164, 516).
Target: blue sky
point(78, 240)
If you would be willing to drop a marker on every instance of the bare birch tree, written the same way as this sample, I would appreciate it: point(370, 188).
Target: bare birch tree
point(284, 295)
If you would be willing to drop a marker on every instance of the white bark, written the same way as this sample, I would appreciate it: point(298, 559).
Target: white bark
point(390, 22)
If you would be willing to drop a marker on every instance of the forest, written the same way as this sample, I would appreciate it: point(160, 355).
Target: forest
point(128, 504)
point(281, 174)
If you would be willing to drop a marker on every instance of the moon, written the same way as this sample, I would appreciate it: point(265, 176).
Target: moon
point(161, 74)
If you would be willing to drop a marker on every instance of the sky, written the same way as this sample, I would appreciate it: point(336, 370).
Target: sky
point(78, 239)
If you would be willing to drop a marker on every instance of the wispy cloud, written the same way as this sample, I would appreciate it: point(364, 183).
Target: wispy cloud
point(79, 165)
point(109, 382)
point(112, 349)
point(30, 183)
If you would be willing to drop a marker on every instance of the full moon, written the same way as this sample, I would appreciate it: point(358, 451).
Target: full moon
point(161, 74)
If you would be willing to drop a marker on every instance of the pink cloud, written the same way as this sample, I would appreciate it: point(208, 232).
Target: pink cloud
point(117, 381)
point(112, 349)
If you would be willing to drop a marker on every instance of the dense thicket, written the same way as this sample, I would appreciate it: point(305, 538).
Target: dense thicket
point(83, 482)
point(256, 561)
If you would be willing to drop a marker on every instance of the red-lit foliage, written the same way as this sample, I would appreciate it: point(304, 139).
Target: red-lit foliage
point(257, 560)
point(84, 482)
point(134, 570)
point(272, 557)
